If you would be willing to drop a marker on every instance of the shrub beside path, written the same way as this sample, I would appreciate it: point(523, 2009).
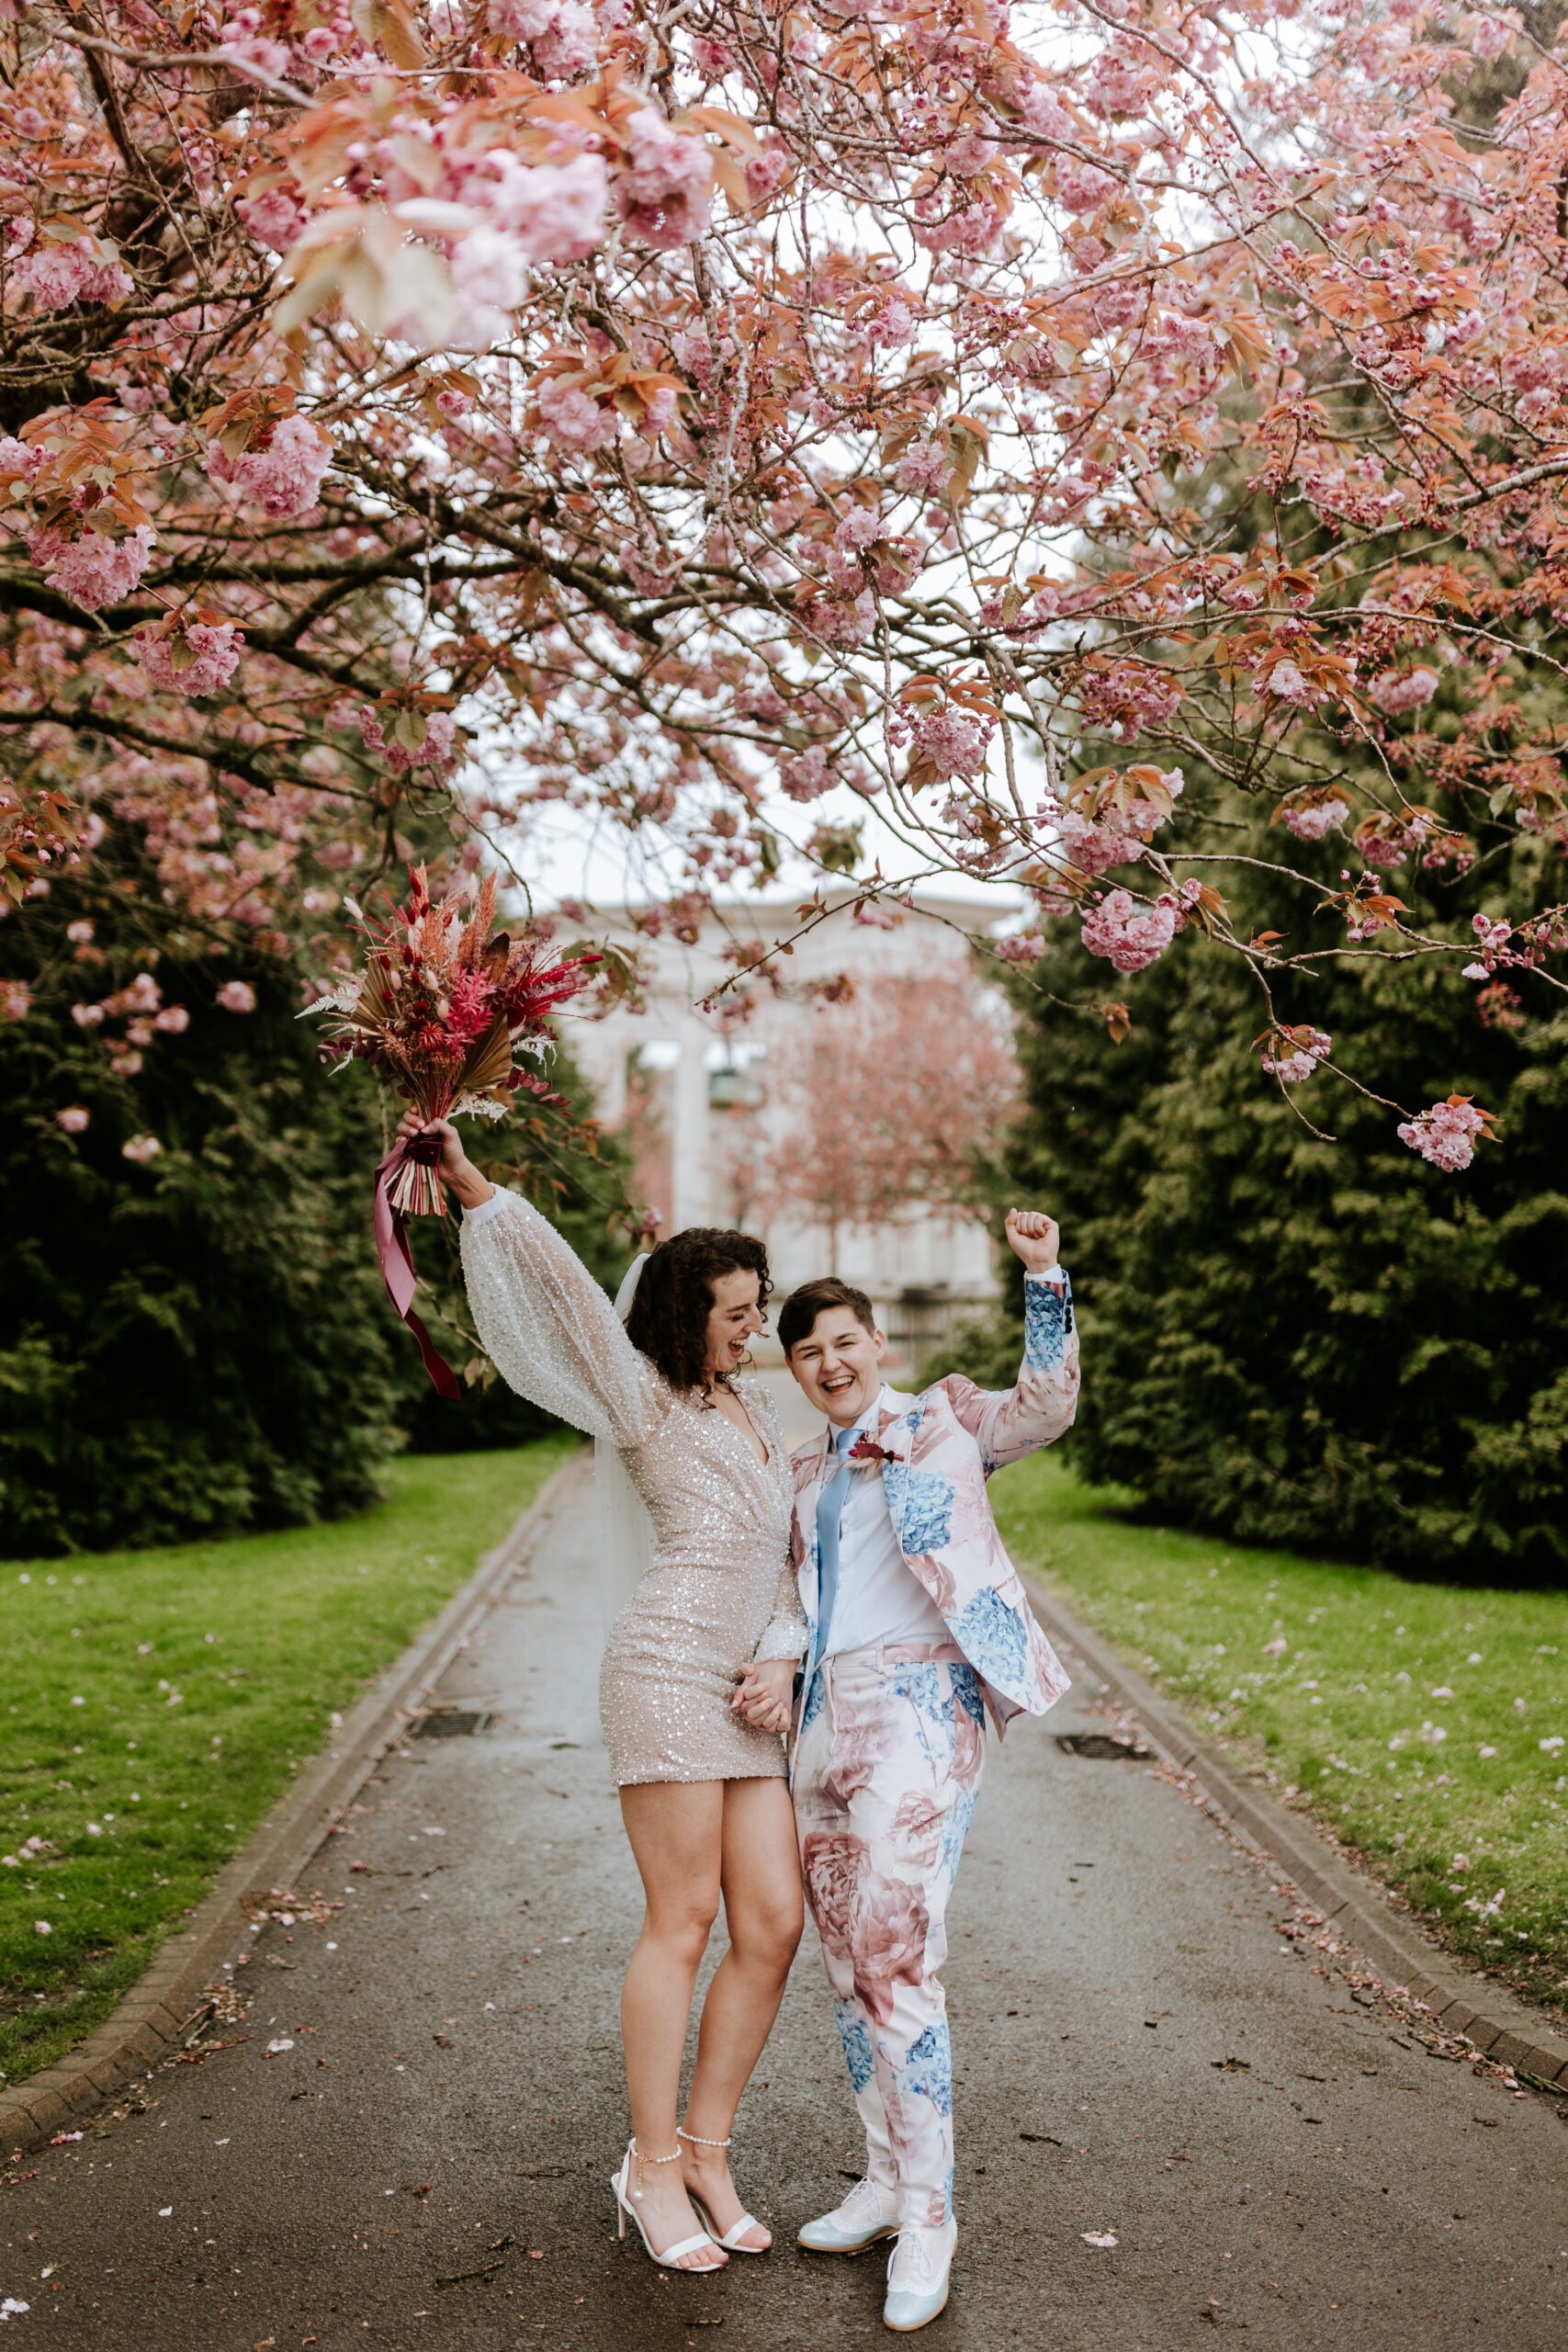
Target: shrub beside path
point(407, 2136)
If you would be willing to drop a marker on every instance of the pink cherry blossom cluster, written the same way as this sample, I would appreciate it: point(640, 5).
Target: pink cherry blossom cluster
point(1307, 1048)
point(1492, 939)
point(1285, 682)
point(955, 743)
point(1398, 691)
point(1129, 698)
point(438, 752)
point(1113, 836)
point(1445, 1135)
point(285, 478)
point(1024, 947)
point(808, 776)
point(664, 195)
point(93, 570)
point(1315, 823)
point(573, 418)
point(56, 275)
point(140, 1006)
point(1132, 937)
point(216, 650)
point(275, 218)
point(561, 33)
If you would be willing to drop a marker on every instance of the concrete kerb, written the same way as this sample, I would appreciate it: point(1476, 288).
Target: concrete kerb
point(1361, 1912)
point(171, 1997)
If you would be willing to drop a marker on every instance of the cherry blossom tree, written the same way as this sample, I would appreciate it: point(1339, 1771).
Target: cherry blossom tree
point(894, 1101)
point(1078, 430)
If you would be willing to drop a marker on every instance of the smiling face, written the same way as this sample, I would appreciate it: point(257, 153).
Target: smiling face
point(733, 1319)
point(839, 1365)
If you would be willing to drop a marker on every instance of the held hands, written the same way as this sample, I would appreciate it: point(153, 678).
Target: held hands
point(456, 1168)
point(765, 1694)
point(1035, 1237)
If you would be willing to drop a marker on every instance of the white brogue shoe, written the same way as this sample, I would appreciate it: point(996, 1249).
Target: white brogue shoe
point(868, 2214)
point(919, 2271)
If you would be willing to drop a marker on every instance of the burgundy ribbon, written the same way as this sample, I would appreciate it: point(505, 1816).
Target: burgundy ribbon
point(396, 1266)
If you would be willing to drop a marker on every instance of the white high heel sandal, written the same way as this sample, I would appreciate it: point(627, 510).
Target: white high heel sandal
point(626, 2199)
point(730, 2240)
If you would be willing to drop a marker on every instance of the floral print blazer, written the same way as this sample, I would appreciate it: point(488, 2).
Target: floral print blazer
point(937, 1451)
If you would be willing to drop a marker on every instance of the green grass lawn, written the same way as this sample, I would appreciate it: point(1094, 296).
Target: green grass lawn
point(157, 1703)
point(1424, 1723)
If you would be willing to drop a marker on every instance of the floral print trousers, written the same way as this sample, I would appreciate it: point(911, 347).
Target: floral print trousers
point(887, 1767)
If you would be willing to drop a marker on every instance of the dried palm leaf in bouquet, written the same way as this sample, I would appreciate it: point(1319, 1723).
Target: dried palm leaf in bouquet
point(444, 1009)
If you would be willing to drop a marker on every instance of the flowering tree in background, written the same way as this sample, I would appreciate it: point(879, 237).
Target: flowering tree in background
point(894, 1101)
point(1076, 429)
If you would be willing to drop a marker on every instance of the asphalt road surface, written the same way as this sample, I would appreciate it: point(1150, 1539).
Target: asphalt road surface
point(425, 2161)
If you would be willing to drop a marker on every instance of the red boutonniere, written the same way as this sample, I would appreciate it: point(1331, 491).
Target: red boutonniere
point(867, 1449)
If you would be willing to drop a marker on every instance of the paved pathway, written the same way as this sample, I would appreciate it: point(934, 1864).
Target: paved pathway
point(452, 2099)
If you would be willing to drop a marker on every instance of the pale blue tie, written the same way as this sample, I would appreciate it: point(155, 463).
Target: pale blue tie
point(830, 1517)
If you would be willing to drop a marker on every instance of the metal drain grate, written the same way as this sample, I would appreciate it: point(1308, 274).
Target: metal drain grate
point(451, 1722)
point(1099, 1746)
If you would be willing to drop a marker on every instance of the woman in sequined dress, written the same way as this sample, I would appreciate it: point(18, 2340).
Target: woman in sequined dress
point(703, 1791)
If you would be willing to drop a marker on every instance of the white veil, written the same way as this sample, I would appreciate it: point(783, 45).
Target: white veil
point(624, 1529)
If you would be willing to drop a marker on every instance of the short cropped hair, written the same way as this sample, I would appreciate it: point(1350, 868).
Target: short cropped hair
point(798, 1316)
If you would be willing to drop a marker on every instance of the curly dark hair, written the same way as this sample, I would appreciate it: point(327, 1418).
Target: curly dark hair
point(670, 1314)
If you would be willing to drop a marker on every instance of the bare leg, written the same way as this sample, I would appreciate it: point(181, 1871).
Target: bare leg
point(765, 1914)
point(676, 1830)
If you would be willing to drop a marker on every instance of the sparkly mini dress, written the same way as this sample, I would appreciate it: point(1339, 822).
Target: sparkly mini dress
point(720, 1590)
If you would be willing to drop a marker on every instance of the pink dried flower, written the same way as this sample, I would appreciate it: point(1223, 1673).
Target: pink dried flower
point(237, 996)
point(140, 1148)
point(210, 656)
point(75, 1119)
point(16, 1000)
point(173, 1020)
point(92, 570)
point(1446, 1133)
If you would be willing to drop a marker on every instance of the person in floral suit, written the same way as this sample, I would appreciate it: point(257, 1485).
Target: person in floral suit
point(920, 1626)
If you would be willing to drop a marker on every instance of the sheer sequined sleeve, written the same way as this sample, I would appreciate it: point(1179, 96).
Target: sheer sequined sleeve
point(786, 1633)
point(548, 1328)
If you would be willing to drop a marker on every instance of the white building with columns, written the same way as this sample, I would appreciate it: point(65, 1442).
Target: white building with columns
point(671, 1075)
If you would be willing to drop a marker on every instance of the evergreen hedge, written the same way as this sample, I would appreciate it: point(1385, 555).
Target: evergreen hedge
point(1331, 1346)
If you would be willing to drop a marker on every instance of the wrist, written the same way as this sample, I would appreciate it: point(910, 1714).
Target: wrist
point(471, 1188)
